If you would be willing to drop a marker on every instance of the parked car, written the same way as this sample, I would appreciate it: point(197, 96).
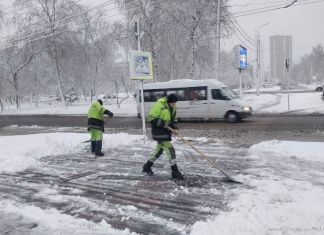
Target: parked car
point(319, 88)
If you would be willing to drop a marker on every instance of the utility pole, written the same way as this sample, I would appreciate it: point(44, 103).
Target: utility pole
point(258, 59)
point(288, 81)
point(258, 66)
point(138, 37)
point(218, 38)
point(136, 31)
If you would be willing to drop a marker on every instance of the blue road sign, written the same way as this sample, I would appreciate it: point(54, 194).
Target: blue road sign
point(243, 58)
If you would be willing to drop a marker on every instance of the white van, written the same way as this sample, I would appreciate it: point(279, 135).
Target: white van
point(197, 99)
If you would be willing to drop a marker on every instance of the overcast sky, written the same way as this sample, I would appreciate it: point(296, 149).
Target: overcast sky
point(305, 24)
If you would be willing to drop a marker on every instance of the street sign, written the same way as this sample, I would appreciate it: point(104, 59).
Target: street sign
point(141, 66)
point(240, 53)
point(243, 58)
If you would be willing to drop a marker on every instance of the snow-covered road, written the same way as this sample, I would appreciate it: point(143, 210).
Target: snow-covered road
point(50, 184)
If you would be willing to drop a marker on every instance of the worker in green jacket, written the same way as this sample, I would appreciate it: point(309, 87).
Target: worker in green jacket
point(162, 116)
point(96, 126)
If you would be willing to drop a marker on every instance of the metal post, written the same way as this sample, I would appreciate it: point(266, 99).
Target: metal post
point(287, 76)
point(259, 58)
point(143, 112)
point(240, 77)
point(258, 65)
point(138, 38)
point(218, 38)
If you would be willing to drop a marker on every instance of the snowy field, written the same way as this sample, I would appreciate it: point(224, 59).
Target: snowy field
point(282, 193)
point(127, 108)
point(300, 103)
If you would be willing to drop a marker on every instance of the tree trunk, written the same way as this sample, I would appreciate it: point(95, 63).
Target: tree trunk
point(59, 82)
point(155, 65)
point(2, 105)
point(16, 86)
point(193, 48)
point(36, 93)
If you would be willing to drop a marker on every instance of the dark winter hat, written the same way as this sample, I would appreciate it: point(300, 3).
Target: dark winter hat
point(172, 98)
point(100, 101)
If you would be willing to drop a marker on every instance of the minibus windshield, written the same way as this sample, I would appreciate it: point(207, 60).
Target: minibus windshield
point(229, 93)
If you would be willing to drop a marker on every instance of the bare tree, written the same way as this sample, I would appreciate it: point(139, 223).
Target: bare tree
point(16, 59)
point(52, 17)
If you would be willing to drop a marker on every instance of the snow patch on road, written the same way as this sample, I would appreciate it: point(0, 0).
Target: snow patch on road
point(283, 195)
point(312, 151)
point(51, 221)
point(24, 151)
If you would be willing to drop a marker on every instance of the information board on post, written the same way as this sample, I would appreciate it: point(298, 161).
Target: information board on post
point(141, 65)
point(141, 68)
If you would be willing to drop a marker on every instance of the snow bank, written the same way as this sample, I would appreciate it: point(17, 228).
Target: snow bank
point(312, 151)
point(127, 108)
point(264, 103)
point(281, 200)
point(20, 152)
point(51, 221)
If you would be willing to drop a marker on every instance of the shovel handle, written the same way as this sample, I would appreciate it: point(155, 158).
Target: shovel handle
point(176, 132)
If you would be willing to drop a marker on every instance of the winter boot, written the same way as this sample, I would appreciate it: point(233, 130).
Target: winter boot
point(93, 146)
point(147, 168)
point(176, 174)
point(98, 152)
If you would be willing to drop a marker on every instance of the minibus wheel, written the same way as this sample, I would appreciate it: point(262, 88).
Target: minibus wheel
point(232, 117)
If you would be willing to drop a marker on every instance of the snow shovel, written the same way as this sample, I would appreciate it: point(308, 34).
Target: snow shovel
point(229, 179)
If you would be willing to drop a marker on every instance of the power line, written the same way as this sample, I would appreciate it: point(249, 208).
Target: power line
point(59, 26)
point(258, 11)
point(260, 3)
point(235, 15)
point(243, 33)
point(67, 18)
point(281, 5)
point(56, 33)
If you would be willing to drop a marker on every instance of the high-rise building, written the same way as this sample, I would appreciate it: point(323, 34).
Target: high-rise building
point(280, 50)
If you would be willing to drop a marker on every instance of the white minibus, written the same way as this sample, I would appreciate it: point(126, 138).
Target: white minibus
point(197, 99)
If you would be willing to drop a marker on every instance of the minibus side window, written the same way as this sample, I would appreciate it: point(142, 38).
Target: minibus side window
point(217, 94)
point(153, 95)
point(180, 93)
point(197, 93)
point(149, 96)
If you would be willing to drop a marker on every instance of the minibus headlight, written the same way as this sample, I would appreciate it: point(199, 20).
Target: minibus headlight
point(247, 109)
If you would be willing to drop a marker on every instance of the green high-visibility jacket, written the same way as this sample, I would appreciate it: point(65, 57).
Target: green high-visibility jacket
point(160, 115)
point(96, 116)
point(96, 111)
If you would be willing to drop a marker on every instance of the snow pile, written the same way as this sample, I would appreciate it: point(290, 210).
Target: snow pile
point(285, 198)
point(51, 221)
point(259, 102)
point(299, 102)
point(312, 151)
point(21, 152)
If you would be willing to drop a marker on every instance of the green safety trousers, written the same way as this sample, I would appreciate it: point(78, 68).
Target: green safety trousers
point(167, 147)
point(96, 134)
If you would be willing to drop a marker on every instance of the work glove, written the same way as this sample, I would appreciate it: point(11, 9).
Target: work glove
point(160, 123)
point(107, 112)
